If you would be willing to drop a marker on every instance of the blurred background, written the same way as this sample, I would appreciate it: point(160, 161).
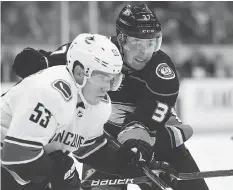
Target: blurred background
point(198, 36)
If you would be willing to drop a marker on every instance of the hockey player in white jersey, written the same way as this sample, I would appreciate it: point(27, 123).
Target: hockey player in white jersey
point(55, 111)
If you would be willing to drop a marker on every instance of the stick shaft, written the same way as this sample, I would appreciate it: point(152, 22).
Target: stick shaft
point(110, 182)
point(204, 174)
point(145, 179)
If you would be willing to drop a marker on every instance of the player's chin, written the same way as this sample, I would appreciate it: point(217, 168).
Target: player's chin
point(96, 100)
point(138, 65)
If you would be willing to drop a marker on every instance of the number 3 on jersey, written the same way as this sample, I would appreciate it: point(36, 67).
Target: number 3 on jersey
point(41, 111)
point(160, 112)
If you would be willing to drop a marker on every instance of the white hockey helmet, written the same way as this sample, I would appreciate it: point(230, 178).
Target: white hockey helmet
point(94, 52)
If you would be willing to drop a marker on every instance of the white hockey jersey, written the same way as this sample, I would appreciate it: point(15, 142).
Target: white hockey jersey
point(41, 114)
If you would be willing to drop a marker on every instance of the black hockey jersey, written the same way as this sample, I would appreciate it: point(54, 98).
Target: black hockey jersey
point(148, 95)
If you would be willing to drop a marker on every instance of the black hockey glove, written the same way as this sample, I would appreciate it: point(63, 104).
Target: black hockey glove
point(29, 61)
point(163, 170)
point(135, 151)
point(64, 175)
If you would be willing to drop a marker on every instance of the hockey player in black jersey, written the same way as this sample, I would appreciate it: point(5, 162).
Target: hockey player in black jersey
point(143, 114)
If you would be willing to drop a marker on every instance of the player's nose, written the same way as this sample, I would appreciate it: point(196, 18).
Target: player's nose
point(106, 87)
point(142, 50)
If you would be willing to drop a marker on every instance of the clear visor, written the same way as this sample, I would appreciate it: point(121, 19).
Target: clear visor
point(102, 79)
point(139, 44)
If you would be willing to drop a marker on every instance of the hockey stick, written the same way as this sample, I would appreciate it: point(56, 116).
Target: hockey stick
point(118, 181)
point(152, 176)
point(203, 174)
point(145, 179)
point(164, 167)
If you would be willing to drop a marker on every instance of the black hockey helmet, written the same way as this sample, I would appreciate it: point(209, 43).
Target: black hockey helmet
point(138, 21)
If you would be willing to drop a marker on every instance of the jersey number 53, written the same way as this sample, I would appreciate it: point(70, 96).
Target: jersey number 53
point(41, 115)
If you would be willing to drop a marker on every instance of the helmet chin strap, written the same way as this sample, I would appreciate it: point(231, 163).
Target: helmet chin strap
point(82, 97)
point(80, 87)
point(159, 41)
point(83, 84)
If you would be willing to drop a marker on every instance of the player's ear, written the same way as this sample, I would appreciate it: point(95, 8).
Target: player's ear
point(78, 72)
